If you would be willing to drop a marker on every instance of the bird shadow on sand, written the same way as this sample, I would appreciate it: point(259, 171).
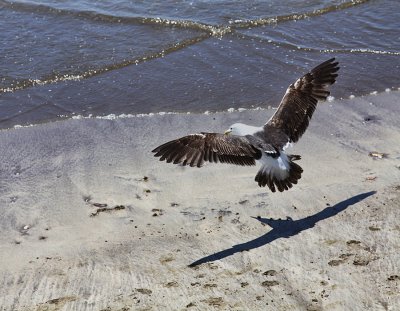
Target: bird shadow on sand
point(284, 228)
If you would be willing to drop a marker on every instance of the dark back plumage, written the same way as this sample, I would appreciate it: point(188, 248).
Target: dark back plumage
point(300, 100)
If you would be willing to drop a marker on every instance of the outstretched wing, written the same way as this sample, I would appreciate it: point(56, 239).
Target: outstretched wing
point(300, 100)
point(195, 149)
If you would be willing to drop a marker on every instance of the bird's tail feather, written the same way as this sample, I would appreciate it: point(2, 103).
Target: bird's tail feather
point(280, 181)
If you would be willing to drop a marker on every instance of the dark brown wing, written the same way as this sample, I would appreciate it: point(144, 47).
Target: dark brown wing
point(300, 100)
point(195, 149)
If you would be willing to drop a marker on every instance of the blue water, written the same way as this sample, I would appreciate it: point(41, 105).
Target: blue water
point(66, 58)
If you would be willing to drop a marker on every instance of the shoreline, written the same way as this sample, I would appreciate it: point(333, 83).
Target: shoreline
point(90, 220)
point(112, 116)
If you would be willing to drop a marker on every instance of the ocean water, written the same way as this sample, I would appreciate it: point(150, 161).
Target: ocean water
point(60, 59)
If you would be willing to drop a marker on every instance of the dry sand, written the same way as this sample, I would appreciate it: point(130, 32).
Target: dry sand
point(89, 220)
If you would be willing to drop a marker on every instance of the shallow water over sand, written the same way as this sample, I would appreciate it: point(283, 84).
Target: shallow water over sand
point(61, 60)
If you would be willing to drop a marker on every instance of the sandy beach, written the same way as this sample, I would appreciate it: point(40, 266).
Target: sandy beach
point(90, 220)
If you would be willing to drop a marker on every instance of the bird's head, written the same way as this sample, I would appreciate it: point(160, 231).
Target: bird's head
point(234, 129)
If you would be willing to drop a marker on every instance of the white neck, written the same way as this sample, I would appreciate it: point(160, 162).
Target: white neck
point(244, 129)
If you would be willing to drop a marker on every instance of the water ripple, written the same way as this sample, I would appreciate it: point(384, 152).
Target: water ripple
point(296, 16)
point(57, 77)
point(309, 49)
point(207, 29)
point(214, 30)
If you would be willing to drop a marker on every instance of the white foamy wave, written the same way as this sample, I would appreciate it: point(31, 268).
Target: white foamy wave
point(18, 126)
point(113, 116)
point(374, 51)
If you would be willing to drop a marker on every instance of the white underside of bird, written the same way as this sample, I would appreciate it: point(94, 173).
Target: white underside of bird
point(279, 166)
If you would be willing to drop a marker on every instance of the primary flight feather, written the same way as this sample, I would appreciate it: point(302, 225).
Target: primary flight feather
point(243, 144)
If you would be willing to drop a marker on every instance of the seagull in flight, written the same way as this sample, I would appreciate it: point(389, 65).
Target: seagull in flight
point(246, 145)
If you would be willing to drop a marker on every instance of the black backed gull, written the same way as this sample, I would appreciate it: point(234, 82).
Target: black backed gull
point(243, 144)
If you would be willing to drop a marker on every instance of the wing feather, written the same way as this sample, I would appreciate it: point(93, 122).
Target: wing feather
point(195, 149)
point(300, 100)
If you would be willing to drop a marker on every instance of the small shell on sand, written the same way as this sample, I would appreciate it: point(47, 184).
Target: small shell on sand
point(378, 155)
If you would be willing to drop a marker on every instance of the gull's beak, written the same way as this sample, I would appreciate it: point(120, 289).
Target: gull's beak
point(227, 132)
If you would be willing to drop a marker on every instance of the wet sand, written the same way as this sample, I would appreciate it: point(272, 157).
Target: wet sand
point(90, 220)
